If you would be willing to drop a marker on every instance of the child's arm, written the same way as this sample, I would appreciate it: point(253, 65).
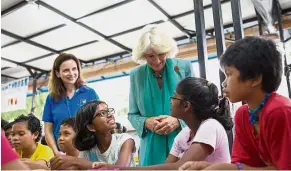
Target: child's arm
point(14, 165)
point(196, 152)
point(125, 154)
point(227, 166)
point(66, 162)
point(38, 164)
point(124, 158)
point(220, 166)
point(171, 159)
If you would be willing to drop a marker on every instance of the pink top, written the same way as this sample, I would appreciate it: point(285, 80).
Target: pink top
point(7, 154)
point(210, 132)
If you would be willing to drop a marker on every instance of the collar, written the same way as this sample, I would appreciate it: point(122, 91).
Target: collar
point(82, 89)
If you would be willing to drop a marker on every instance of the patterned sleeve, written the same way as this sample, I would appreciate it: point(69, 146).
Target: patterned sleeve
point(134, 116)
point(189, 71)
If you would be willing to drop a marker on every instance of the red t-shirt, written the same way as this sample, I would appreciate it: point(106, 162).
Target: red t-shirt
point(272, 146)
point(7, 154)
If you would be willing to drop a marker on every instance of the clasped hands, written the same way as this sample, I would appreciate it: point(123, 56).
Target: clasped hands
point(162, 125)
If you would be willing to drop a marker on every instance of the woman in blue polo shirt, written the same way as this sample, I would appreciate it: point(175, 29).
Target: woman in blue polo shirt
point(67, 93)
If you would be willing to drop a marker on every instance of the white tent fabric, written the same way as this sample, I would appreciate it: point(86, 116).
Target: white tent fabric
point(92, 29)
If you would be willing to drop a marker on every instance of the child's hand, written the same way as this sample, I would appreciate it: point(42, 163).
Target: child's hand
point(26, 161)
point(200, 165)
point(57, 153)
point(61, 162)
point(97, 165)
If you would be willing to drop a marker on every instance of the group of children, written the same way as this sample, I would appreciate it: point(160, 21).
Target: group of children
point(24, 134)
point(253, 71)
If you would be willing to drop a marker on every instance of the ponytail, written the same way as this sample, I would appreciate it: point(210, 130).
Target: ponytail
point(223, 115)
point(203, 96)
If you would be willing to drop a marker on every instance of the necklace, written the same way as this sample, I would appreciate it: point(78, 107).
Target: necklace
point(253, 113)
point(158, 76)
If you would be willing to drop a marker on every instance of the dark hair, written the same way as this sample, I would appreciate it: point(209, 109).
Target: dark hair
point(118, 125)
point(43, 141)
point(8, 126)
point(85, 139)
point(70, 121)
point(4, 123)
point(33, 124)
point(253, 57)
point(120, 128)
point(124, 129)
point(203, 97)
point(56, 85)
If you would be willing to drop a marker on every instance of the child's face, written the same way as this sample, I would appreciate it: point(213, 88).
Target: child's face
point(235, 89)
point(22, 138)
point(66, 135)
point(103, 120)
point(176, 110)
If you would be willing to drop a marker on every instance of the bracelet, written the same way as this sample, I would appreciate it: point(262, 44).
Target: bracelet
point(239, 166)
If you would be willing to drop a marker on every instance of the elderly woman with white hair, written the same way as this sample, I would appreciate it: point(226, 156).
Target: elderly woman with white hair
point(151, 86)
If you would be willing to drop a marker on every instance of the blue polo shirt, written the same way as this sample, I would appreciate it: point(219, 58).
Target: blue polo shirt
point(56, 112)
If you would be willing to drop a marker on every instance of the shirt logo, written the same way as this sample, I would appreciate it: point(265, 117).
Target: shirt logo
point(83, 101)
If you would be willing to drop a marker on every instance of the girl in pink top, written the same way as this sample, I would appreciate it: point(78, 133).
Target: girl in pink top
point(207, 117)
point(196, 102)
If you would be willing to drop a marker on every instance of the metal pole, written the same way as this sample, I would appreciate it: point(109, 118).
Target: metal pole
point(280, 27)
point(219, 34)
point(237, 19)
point(33, 94)
point(201, 36)
point(220, 48)
point(260, 23)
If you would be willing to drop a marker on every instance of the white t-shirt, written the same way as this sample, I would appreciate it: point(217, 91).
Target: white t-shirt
point(210, 132)
point(110, 156)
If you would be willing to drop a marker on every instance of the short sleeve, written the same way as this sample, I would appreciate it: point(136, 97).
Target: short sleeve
point(207, 133)
point(176, 149)
point(47, 111)
point(93, 95)
point(121, 138)
point(44, 153)
point(277, 130)
point(82, 155)
point(7, 154)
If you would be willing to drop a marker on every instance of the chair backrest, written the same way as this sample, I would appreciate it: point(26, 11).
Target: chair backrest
point(230, 139)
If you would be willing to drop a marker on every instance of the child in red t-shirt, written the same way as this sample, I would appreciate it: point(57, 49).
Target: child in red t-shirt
point(253, 68)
